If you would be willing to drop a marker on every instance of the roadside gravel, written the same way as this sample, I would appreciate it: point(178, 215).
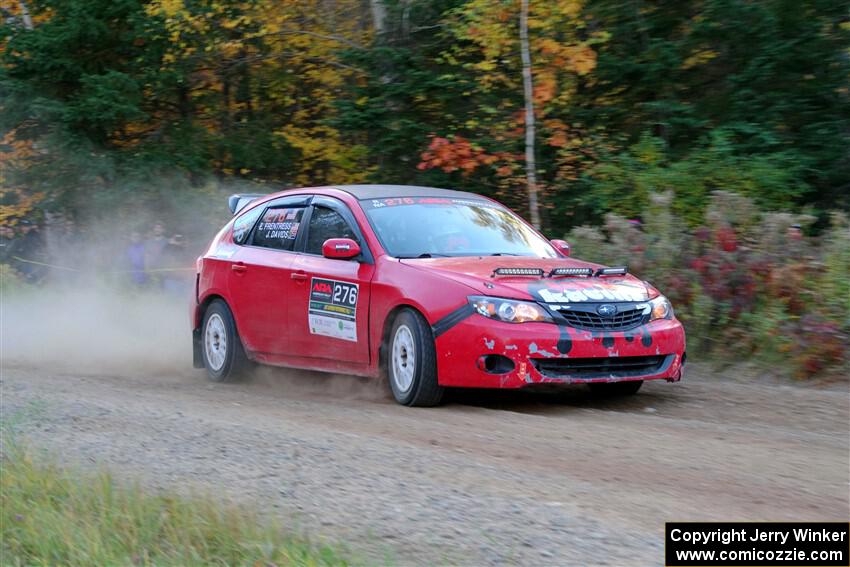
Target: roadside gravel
point(488, 479)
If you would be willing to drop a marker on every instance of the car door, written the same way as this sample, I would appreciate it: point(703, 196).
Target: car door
point(330, 310)
point(260, 279)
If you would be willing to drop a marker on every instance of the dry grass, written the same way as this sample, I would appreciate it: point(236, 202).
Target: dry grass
point(56, 516)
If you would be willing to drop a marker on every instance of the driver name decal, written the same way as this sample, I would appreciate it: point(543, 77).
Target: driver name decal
point(332, 311)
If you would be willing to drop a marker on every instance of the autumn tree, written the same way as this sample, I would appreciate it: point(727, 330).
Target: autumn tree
point(609, 102)
point(496, 42)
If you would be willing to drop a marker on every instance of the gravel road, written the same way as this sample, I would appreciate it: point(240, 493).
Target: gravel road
point(489, 478)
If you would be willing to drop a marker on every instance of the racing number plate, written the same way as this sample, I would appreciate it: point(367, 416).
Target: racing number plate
point(333, 309)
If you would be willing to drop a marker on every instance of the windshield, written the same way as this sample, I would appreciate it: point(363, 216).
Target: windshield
point(425, 227)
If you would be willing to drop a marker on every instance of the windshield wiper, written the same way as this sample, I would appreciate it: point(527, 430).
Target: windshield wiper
point(424, 255)
point(504, 254)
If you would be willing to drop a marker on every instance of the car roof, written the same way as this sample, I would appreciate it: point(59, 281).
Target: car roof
point(364, 192)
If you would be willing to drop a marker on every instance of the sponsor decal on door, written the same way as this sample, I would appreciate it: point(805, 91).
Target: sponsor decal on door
point(332, 311)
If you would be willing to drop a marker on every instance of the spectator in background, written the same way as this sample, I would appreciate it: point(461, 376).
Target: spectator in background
point(174, 279)
point(136, 259)
point(155, 246)
point(796, 249)
point(794, 233)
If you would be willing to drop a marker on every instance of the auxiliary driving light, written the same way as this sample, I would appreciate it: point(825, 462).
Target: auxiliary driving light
point(618, 271)
point(519, 272)
point(571, 272)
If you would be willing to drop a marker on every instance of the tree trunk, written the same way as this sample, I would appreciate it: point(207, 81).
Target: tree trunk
point(25, 15)
point(528, 92)
point(405, 19)
point(379, 16)
point(225, 111)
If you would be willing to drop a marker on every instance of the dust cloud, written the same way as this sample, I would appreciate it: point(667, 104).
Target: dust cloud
point(74, 300)
point(77, 306)
point(99, 329)
point(106, 286)
point(96, 328)
point(311, 384)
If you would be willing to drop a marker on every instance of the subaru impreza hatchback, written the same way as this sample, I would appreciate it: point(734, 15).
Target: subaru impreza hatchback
point(426, 288)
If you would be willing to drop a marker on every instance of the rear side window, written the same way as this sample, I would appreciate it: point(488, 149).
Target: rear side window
point(279, 228)
point(326, 223)
point(243, 225)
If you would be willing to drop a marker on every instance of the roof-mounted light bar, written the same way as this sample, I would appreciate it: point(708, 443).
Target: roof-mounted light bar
point(618, 271)
point(571, 272)
point(519, 272)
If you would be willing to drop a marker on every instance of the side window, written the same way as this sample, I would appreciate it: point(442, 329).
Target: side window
point(278, 228)
point(326, 223)
point(243, 225)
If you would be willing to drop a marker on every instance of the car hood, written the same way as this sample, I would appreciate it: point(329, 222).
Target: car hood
point(477, 273)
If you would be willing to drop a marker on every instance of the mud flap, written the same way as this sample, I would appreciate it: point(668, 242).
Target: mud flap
point(197, 356)
point(681, 373)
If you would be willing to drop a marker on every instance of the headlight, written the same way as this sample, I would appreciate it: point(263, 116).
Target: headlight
point(509, 310)
point(660, 308)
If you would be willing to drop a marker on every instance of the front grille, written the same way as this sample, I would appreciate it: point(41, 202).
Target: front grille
point(623, 320)
point(617, 366)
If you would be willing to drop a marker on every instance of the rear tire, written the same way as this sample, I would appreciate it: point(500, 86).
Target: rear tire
point(615, 389)
point(412, 361)
point(221, 349)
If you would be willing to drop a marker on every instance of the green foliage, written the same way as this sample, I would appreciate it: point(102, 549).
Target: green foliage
point(836, 260)
point(409, 93)
point(104, 102)
point(689, 97)
point(54, 516)
point(81, 63)
point(625, 181)
point(770, 75)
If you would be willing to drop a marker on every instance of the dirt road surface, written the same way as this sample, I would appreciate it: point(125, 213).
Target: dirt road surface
point(490, 478)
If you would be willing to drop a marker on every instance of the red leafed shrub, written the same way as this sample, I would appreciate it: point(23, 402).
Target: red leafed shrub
point(817, 344)
point(746, 283)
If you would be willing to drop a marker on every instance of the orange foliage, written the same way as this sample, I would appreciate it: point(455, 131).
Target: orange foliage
point(458, 154)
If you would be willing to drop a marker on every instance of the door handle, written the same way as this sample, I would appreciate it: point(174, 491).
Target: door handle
point(239, 268)
point(299, 276)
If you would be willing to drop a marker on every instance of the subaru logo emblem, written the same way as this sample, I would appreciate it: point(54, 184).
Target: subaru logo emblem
point(607, 310)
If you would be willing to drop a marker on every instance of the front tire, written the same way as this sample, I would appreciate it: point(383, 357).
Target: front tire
point(412, 361)
point(615, 389)
point(223, 355)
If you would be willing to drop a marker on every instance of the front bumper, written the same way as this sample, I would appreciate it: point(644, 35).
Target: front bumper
point(546, 353)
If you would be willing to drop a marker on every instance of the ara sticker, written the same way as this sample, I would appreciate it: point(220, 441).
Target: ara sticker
point(332, 311)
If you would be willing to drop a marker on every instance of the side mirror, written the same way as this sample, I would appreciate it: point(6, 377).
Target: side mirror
point(561, 246)
point(340, 249)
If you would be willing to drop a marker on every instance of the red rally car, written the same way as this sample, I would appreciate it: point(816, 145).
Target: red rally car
point(430, 287)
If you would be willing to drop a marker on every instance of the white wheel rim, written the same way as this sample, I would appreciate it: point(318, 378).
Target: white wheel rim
point(215, 342)
point(404, 359)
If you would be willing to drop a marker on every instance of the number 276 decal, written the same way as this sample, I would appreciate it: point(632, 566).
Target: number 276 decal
point(332, 311)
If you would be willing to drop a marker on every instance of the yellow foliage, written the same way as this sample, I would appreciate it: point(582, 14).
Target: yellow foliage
point(292, 49)
point(169, 7)
point(17, 206)
point(325, 158)
point(560, 51)
point(700, 57)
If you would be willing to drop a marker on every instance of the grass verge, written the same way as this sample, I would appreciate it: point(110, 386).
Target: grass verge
point(50, 515)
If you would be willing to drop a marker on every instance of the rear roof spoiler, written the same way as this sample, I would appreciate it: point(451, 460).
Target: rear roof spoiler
point(237, 201)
